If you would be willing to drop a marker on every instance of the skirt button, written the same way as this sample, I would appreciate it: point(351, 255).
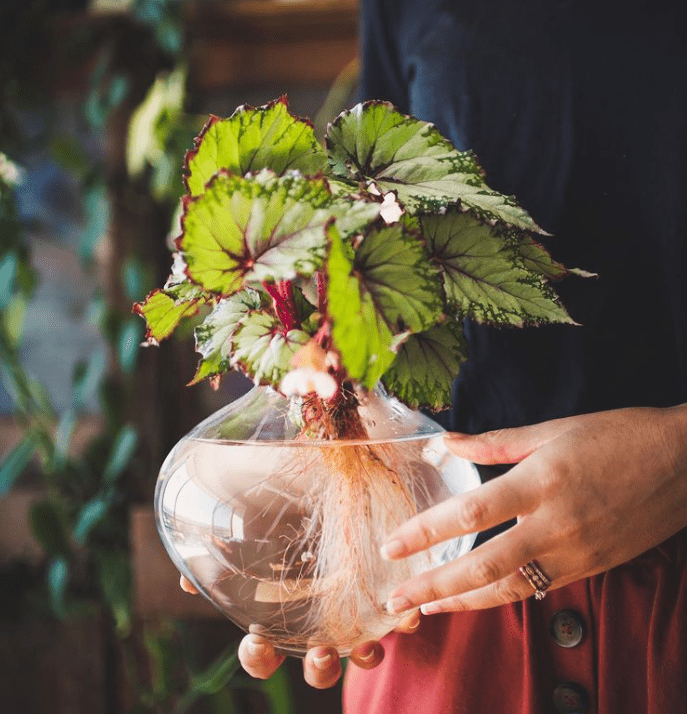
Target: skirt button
point(570, 698)
point(566, 628)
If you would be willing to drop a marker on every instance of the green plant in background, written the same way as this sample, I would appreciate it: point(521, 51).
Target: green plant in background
point(169, 648)
point(159, 132)
point(82, 502)
point(81, 517)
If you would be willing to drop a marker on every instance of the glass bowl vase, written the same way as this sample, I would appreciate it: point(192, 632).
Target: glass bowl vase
point(280, 527)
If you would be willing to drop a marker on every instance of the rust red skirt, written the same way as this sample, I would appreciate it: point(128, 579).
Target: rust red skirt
point(615, 643)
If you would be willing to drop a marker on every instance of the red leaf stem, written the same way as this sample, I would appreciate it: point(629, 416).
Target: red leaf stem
point(323, 336)
point(284, 303)
point(321, 293)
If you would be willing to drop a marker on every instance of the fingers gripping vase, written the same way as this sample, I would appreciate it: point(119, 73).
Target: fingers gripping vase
point(280, 526)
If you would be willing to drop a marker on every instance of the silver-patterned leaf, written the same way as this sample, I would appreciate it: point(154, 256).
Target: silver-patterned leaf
point(375, 142)
point(482, 277)
point(422, 374)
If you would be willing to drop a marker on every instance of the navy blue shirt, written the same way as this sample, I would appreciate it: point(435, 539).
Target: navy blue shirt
point(578, 108)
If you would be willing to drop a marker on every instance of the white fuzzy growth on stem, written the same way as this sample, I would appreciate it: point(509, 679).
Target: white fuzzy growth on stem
point(305, 380)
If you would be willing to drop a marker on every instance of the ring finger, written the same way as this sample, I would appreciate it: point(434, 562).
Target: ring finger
point(489, 563)
point(513, 588)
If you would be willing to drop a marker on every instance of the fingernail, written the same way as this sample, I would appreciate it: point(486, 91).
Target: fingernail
point(430, 608)
point(414, 624)
point(322, 662)
point(398, 604)
point(366, 653)
point(187, 586)
point(255, 649)
point(392, 549)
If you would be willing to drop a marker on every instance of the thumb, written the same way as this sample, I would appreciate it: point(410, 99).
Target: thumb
point(505, 446)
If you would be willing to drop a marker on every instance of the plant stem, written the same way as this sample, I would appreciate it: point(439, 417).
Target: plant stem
point(322, 336)
point(284, 303)
point(321, 293)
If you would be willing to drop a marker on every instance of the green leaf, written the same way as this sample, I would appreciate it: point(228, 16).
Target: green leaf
point(149, 12)
point(128, 342)
point(8, 272)
point(114, 576)
point(88, 379)
point(164, 309)
point(253, 139)
point(91, 513)
point(58, 579)
point(423, 372)
point(48, 525)
point(95, 110)
point(117, 90)
point(342, 188)
point(262, 349)
point(164, 656)
point(97, 211)
point(392, 265)
point(218, 674)
point(165, 98)
point(359, 331)
point(40, 397)
point(536, 258)
point(96, 311)
point(169, 35)
point(163, 180)
point(482, 278)
point(133, 279)
point(15, 461)
point(214, 335)
point(277, 691)
point(375, 142)
point(63, 437)
point(121, 453)
point(13, 319)
point(262, 228)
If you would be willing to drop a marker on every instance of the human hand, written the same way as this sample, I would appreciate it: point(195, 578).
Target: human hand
point(589, 492)
point(321, 665)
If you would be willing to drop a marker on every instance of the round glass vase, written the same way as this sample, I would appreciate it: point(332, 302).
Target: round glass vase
point(280, 528)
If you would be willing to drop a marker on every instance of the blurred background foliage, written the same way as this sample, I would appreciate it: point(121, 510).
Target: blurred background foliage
point(98, 103)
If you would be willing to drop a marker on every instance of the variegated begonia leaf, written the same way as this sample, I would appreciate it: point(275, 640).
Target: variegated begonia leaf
point(286, 254)
point(164, 309)
point(360, 332)
point(426, 364)
point(483, 278)
point(263, 350)
point(405, 288)
point(375, 142)
point(214, 336)
point(534, 257)
point(343, 189)
point(262, 228)
point(251, 139)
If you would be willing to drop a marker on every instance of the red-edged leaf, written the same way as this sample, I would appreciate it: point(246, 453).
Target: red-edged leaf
point(252, 139)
